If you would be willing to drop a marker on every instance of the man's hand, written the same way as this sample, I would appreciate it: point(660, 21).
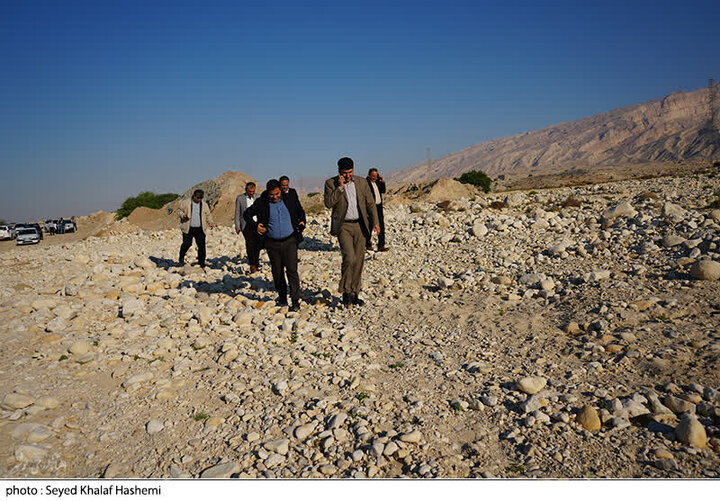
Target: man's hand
point(380, 178)
point(377, 229)
point(261, 229)
point(341, 181)
point(301, 225)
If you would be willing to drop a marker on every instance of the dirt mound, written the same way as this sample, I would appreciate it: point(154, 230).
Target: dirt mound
point(222, 204)
point(151, 219)
point(434, 191)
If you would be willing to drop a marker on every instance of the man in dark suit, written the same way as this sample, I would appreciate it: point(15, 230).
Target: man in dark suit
point(285, 188)
point(353, 215)
point(280, 221)
point(377, 188)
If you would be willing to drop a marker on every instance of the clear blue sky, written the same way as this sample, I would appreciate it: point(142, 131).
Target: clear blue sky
point(102, 99)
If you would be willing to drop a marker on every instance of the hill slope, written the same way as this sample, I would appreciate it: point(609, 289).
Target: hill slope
point(674, 128)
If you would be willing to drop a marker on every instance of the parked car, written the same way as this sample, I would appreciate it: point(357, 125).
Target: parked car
point(28, 236)
point(7, 233)
point(69, 226)
point(50, 226)
point(38, 228)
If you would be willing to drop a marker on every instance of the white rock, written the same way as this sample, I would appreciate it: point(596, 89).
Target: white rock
point(622, 209)
point(154, 426)
point(531, 385)
point(223, 470)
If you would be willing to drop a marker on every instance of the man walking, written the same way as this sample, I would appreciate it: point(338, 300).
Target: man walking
point(253, 243)
point(195, 217)
point(280, 220)
point(287, 192)
point(377, 188)
point(353, 214)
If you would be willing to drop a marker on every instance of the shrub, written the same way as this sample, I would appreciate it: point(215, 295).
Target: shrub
point(144, 199)
point(313, 194)
point(498, 204)
point(476, 178)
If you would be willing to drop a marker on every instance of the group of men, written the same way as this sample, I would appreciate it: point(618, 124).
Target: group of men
point(275, 221)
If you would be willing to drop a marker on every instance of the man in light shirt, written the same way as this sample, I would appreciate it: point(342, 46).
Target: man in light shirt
point(377, 187)
point(195, 217)
point(253, 243)
point(353, 215)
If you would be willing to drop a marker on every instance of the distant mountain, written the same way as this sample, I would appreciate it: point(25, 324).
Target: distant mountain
point(672, 129)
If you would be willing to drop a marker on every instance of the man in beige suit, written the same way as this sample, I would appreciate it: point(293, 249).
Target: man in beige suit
point(353, 214)
point(195, 217)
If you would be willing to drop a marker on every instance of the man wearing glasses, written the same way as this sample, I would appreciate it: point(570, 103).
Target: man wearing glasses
point(195, 217)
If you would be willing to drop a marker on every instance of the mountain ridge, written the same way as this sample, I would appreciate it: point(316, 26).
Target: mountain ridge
point(674, 128)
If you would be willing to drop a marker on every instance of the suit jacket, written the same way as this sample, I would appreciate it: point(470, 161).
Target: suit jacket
point(292, 194)
point(183, 211)
point(338, 202)
point(240, 207)
point(381, 189)
point(261, 209)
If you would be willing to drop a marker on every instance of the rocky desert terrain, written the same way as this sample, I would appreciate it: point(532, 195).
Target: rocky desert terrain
point(569, 332)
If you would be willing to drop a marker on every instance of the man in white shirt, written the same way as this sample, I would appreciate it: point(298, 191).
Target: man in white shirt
point(195, 217)
point(353, 216)
point(377, 187)
point(253, 244)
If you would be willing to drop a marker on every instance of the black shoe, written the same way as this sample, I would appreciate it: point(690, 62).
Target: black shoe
point(347, 299)
point(281, 301)
point(356, 300)
point(295, 307)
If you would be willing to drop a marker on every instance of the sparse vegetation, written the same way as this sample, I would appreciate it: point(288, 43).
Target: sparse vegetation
point(200, 416)
point(313, 194)
point(144, 199)
point(397, 365)
point(362, 396)
point(476, 178)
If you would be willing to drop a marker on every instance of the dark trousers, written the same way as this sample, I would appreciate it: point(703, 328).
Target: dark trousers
point(283, 256)
point(253, 244)
point(381, 222)
point(199, 235)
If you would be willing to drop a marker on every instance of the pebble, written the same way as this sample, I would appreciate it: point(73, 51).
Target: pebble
point(17, 401)
point(531, 385)
point(706, 270)
point(222, 470)
point(691, 432)
point(79, 348)
point(588, 418)
point(412, 437)
point(154, 426)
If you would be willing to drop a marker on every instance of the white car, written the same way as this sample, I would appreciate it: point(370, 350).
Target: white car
point(6, 233)
point(28, 236)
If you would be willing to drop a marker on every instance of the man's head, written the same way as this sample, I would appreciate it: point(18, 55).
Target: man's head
point(250, 189)
point(198, 195)
point(345, 168)
point(284, 184)
point(373, 174)
point(273, 190)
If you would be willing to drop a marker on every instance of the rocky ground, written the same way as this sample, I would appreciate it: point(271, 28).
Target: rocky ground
point(560, 333)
